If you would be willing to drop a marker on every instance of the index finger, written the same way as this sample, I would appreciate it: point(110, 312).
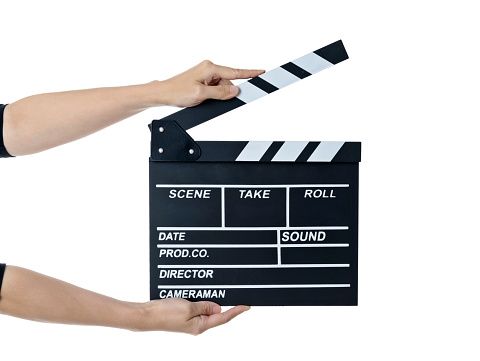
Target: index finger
point(222, 318)
point(231, 73)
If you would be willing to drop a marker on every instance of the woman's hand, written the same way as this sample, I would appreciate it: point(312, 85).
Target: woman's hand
point(44, 121)
point(33, 296)
point(204, 81)
point(179, 315)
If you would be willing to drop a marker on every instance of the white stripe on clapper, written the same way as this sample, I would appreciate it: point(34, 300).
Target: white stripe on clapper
point(325, 152)
point(279, 77)
point(279, 250)
point(312, 63)
point(249, 92)
point(319, 228)
point(253, 151)
point(251, 245)
point(250, 185)
point(289, 151)
point(327, 285)
point(296, 265)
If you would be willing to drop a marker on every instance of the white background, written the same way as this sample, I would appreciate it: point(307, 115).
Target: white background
point(409, 93)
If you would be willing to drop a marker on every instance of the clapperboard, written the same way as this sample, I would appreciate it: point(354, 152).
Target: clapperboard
point(248, 222)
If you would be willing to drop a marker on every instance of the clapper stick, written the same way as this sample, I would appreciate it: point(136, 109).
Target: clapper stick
point(262, 85)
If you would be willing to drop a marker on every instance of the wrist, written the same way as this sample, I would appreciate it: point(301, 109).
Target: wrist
point(140, 97)
point(133, 316)
point(156, 94)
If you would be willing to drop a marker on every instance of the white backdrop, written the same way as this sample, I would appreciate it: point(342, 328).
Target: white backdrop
point(409, 93)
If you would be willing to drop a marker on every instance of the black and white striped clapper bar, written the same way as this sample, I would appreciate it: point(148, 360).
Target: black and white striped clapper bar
point(248, 222)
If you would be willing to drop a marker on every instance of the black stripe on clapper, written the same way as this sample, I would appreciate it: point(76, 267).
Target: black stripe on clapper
point(334, 53)
point(307, 152)
point(296, 70)
point(262, 84)
point(349, 152)
point(271, 151)
point(209, 109)
point(220, 151)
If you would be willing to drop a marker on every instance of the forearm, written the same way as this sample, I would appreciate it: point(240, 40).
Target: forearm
point(44, 121)
point(33, 296)
point(30, 295)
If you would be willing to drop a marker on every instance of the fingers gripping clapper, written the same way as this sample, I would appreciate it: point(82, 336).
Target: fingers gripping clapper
point(250, 90)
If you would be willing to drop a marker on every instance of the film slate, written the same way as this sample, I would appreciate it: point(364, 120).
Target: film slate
point(248, 222)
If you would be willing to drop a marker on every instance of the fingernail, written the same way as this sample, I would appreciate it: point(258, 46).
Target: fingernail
point(233, 89)
point(247, 308)
point(217, 309)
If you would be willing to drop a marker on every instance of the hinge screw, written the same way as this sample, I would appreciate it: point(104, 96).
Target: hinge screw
point(160, 150)
point(161, 130)
point(191, 151)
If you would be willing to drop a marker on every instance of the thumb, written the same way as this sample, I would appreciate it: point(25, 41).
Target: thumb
point(221, 92)
point(206, 308)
